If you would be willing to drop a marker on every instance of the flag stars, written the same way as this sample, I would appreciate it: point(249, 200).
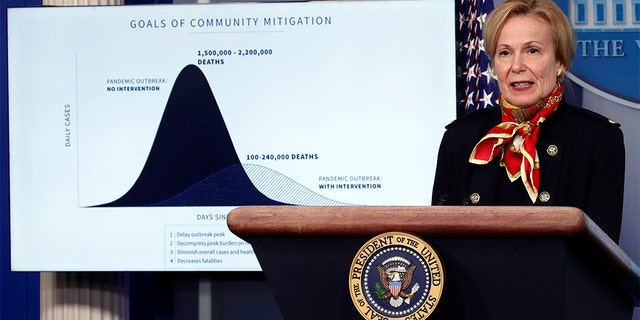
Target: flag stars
point(471, 100)
point(471, 46)
point(471, 21)
point(471, 72)
point(481, 19)
point(481, 45)
point(479, 92)
point(488, 74)
point(487, 99)
point(461, 20)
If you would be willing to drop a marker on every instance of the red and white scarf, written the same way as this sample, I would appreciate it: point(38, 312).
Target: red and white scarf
point(516, 138)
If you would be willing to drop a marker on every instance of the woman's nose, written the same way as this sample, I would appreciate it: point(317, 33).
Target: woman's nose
point(518, 64)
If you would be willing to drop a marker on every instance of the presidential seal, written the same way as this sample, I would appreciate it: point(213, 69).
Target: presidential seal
point(396, 276)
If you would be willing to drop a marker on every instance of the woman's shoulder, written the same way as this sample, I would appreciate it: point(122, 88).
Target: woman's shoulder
point(475, 118)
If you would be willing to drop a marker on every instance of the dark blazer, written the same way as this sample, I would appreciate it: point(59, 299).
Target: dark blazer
point(581, 165)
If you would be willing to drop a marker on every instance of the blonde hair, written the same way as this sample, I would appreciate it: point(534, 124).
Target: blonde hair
point(564, 40)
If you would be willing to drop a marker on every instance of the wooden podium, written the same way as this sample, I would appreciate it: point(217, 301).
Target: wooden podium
point(500, 262)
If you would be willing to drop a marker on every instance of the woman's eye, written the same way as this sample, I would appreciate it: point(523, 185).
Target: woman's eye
point(534, 50)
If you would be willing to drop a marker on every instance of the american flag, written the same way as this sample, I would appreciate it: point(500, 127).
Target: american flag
point(476, 90)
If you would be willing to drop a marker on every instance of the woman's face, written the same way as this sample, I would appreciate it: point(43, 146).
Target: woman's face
point(525, 61)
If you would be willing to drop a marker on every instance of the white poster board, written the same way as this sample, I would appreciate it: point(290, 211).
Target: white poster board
point(135, 129)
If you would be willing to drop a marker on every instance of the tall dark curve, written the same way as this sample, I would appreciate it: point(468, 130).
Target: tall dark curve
point(192, 161)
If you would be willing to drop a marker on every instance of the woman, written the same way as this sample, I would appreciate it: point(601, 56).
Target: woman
point(535, 149)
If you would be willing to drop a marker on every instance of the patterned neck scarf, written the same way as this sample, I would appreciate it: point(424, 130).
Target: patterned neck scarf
point(515, 138)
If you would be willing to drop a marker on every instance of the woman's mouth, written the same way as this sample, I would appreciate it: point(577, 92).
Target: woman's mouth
point(521, 85)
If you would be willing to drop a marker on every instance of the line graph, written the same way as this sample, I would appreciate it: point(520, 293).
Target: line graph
point(139, 144)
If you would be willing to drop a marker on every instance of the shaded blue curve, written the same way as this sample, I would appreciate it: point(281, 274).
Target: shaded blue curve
point(282, 188)
point(228, 188)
